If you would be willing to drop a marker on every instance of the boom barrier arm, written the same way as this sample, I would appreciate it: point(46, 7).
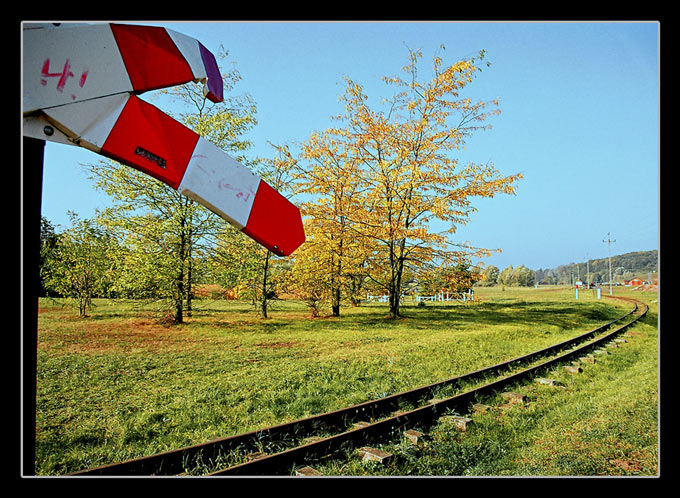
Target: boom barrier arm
point(80, 87)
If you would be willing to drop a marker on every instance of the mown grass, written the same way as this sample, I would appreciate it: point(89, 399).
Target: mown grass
point(119, 385)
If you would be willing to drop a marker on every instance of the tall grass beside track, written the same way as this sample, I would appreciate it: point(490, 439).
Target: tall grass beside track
point(119, 385)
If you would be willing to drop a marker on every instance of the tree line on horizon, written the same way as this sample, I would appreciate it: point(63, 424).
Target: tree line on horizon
point(624, 267)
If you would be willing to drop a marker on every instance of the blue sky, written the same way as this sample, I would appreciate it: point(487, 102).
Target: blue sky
point(579, 119)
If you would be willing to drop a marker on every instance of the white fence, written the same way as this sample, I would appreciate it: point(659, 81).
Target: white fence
point(378, 299)
point(441, 296)
point(445, 296)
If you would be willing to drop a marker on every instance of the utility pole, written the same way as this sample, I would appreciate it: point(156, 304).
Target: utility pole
point(33, 153)
point(609, 248)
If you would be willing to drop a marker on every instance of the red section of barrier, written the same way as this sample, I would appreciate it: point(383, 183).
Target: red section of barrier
point(151, 141)
point(151, 58)
point(275, 222)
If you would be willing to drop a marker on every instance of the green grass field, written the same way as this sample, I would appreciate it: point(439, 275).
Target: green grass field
point(119, 385)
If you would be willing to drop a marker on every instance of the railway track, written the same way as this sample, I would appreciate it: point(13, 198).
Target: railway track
point(280, 449)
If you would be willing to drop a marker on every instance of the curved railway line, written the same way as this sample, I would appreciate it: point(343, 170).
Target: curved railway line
point(296, 444)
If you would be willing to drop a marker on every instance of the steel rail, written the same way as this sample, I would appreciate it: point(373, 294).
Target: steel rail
point(287, 460)
point(173, 462)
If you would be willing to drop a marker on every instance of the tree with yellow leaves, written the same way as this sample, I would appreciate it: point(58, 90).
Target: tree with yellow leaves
point(330, 179)
point(408, 177)
point(380, 181)
point(308, 278)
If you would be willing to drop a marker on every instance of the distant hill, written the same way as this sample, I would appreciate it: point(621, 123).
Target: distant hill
point(624, 266)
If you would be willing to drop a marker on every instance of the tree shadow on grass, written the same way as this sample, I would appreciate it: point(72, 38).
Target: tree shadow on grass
point(452, 316)
point(440, 316)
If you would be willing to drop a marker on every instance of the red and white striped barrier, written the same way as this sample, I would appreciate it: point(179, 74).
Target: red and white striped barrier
point(92, 103)
point(71, 62)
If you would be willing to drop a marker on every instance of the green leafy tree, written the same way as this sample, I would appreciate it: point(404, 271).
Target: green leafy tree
point(164, 231)
point(242, 264)
point(160, 229)
point(48, 242)
point(507, 276)
point(523, 276)
point(519, 276)
point(80, 264)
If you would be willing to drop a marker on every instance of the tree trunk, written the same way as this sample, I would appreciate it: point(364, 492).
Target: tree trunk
point(336, 301)
point(265, 297)
point(396, 300)
point(395, 285)
point(394, 304)
point(189, 265)
point(179, 299)
point(336, 283)
point(179, 296)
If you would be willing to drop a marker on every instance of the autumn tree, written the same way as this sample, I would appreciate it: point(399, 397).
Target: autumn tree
point(329, 177)
point(308, 278)
point(409, 179)
point(460, 278)
point(430, 282)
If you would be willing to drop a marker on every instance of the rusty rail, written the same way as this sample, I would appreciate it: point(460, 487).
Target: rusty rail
point(286, 460)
